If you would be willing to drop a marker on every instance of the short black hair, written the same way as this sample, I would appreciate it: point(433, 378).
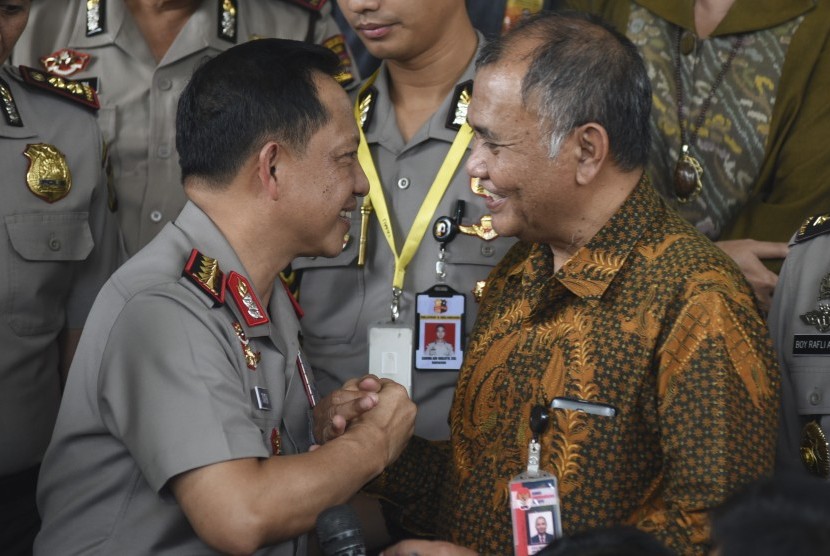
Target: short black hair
point(617, 540)
point(254, 92)
point(583, 70)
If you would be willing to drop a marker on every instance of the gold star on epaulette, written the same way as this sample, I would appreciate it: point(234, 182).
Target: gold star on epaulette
point(812, 227)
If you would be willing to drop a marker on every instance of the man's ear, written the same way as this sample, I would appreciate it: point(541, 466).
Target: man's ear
point(593, 148)
point(269, 166)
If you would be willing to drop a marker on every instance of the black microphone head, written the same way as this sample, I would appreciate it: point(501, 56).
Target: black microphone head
point(338, 530)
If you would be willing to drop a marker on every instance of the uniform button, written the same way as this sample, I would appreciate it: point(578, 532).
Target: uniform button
point(815, 397)
point(155, 216)
point(163, 151)
point(165, 84)
point(55, 244)
point(403, 183)
point(487, 250)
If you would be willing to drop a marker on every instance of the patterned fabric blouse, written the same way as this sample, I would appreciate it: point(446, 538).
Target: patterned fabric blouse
point(649, 317)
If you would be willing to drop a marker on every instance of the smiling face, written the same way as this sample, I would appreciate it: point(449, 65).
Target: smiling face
point(13, 17)
point(401, 29)
point(527, 190)
point(326, 177)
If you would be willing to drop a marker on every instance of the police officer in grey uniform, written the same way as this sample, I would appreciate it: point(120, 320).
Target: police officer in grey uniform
point(59, 245)
point(799, 322)
point(408, 146)
point(140, 60)
point(187, 418)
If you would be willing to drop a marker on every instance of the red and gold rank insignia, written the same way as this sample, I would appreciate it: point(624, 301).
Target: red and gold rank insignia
point(276, 442)
point(243, 294)
point(205, 273)
point(345, 73)
point(251, 357)
point(79, 91)
point(48, 175)
point(65, 62)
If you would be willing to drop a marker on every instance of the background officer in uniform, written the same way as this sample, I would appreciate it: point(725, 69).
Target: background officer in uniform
point(799, 322)
point(185, 423)
point(414, 107)
point(139, 54)
point(58, 244)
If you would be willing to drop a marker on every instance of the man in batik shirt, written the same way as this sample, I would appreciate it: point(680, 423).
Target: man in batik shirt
point(611, 298)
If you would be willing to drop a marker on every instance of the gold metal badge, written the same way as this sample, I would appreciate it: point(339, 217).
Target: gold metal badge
point(484, 229)
point(814, 450)
point(476, 187)
point(478, 290)
point(48, 175)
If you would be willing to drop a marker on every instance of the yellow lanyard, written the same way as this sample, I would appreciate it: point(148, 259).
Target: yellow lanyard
point(377, 201)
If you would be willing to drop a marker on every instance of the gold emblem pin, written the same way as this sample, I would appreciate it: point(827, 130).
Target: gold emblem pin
point(48, 175)
point(814, 450)
point(484, 229)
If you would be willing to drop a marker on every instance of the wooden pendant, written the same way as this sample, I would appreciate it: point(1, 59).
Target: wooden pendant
point(687, 174)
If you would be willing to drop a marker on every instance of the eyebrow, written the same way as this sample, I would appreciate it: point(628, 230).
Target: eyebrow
point(482, 131)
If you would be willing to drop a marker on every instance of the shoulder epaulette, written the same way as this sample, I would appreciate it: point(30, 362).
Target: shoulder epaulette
point(205, 273)
point(457, 114)
point(812, 227)
point(76, 90)
point(345, 73)
point(314, 5)
point(366, 106)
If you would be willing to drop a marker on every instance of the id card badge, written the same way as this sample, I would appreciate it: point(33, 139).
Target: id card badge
point(390, 353)
point(535, 510)
point(439, 323)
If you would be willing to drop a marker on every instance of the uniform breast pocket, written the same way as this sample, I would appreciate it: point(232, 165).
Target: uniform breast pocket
point(44, 249)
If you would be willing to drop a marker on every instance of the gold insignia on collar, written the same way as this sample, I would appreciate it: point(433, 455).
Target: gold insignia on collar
point(457, 115)
point(9, 107)
point(65, 62)
point(815, 452)
point(366, 107)
point(337, 44)
point(95, 12)
point(252, 357)
point(812, 227)
point(227, 20)
point(476, 187)
point(484, 229)
point(246, 300)
point(48, 175)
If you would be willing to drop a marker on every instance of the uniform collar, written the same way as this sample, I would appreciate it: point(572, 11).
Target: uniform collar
point(200, 31)
point(383, 127)
point(744, 16)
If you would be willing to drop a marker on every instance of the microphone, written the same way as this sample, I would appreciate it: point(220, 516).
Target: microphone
point(338, 530)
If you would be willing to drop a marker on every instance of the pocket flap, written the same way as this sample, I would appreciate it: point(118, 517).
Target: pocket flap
point(58, 236)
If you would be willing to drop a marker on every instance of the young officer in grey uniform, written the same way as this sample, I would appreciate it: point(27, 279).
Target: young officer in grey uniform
point(140, 60)
point(799, 322)
point(58, 245)
point(412, 112)
point(185, 426)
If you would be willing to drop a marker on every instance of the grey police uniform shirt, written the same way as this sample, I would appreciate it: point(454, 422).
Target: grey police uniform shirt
point(803, 349)
point(139, 96)
point(54, 257)
point(160, 386)
point(340, 300)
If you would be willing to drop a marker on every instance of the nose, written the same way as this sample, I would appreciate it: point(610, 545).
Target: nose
point(358, 6)
point(475, 164)
point(361, 184)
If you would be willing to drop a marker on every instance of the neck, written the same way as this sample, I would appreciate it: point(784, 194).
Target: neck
point(609, 191)
point(262, 262)
point(709, 14)
point(160, 21)
point(419, 85)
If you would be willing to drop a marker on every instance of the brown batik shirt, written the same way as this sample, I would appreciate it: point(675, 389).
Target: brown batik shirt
point(649, 317)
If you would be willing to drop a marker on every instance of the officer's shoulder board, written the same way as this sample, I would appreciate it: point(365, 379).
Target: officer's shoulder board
point(205, 273)
point(314, 5)
point(812, 227)
point(79, 91)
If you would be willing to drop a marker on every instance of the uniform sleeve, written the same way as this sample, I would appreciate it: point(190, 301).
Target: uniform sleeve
point(108, 250)
point(718, 390)
point(169, 388)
